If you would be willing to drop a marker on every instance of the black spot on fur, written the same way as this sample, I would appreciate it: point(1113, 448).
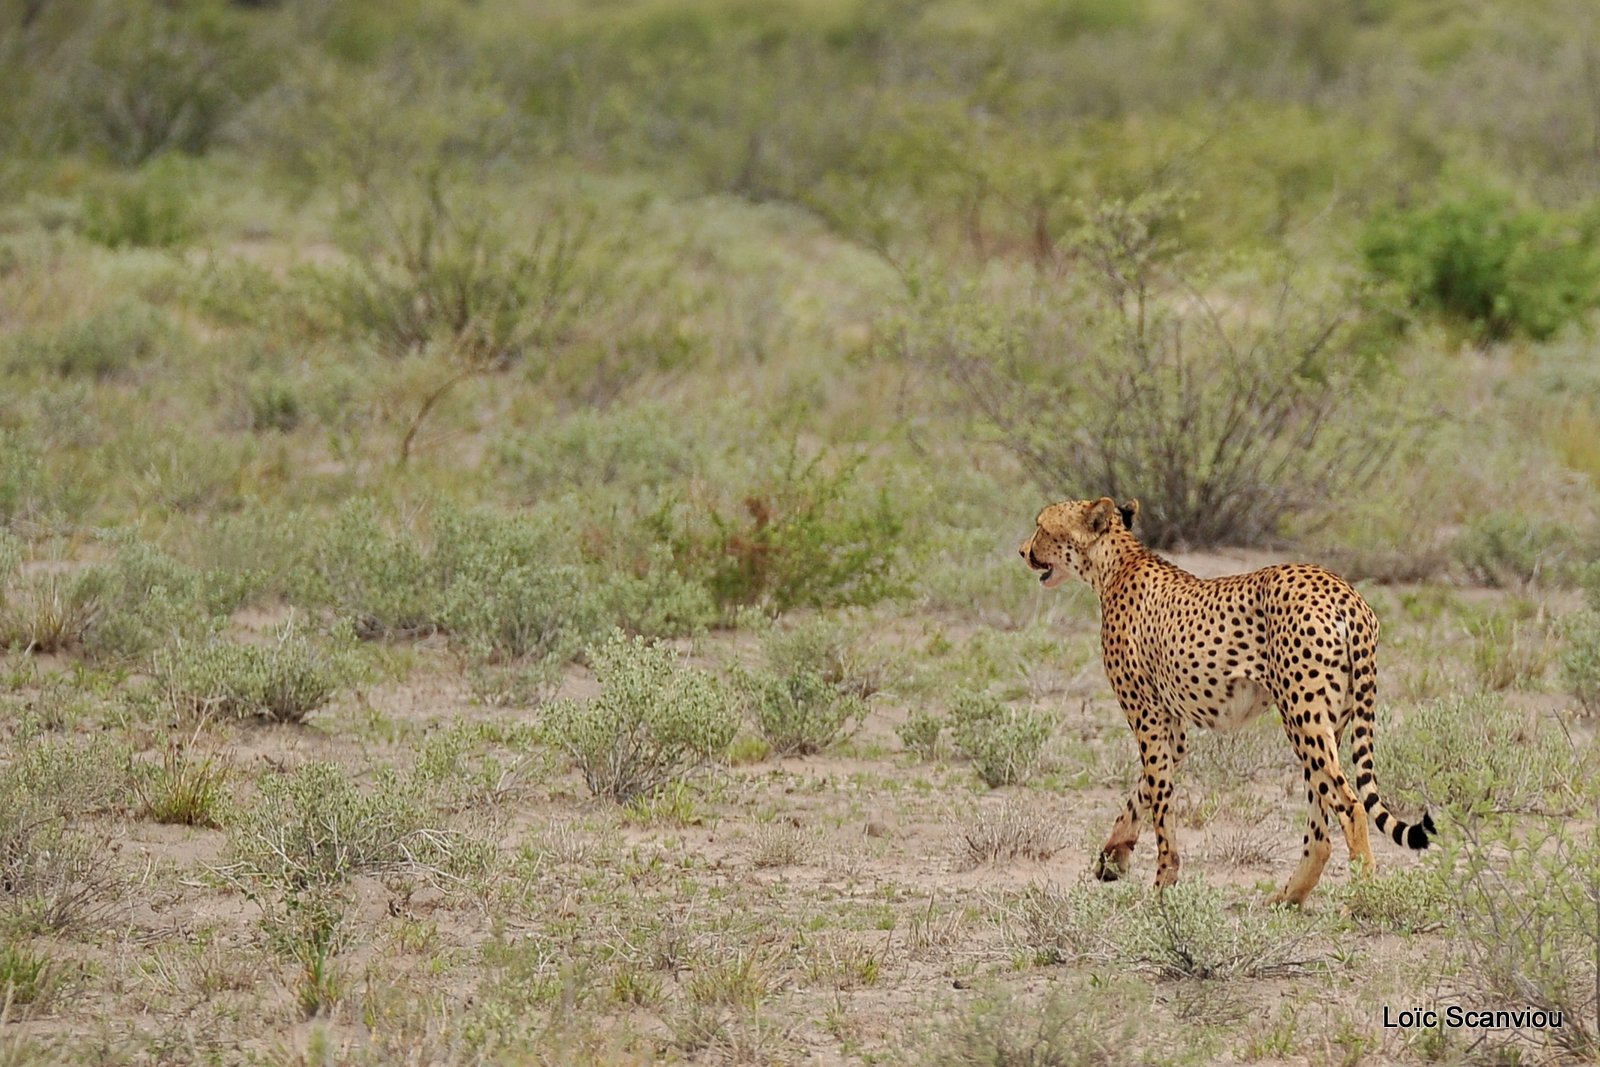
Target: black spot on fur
point(1417, 837)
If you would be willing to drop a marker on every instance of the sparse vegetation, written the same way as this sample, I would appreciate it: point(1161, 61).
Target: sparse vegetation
point(450, 451)
point(1011, 831)
point(654, 722)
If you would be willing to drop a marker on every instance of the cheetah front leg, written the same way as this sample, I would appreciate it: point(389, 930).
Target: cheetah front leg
point(1161, 750)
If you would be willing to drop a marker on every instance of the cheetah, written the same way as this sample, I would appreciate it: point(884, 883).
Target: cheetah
point(1183, 651)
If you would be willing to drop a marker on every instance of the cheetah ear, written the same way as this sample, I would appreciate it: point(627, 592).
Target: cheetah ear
point(1130, 511)
point(1100, 513)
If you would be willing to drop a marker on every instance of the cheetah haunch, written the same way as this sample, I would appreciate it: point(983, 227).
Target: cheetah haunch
point(1182, 651)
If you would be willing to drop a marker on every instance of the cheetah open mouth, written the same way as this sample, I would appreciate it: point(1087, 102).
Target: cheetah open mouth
point(1045, 575)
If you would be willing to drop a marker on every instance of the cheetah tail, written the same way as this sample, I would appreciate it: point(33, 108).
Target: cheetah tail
point(1415, 835)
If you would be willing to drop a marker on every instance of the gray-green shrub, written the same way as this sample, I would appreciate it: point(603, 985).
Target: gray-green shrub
point(105, 343)
point(283, 679)
point(812, 690)
point(314, 829)
point(1580, 663)
point(1004, 743)
point(655, 721)
point(1526, 897)
point(1475, 754)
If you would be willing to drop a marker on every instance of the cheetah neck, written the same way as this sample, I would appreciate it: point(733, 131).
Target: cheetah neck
point(1110, 557)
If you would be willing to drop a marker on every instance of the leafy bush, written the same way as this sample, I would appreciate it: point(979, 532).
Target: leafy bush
point(1004, 743)
point(1507, 548)
point(283, 680)
point(1130, 382)
point(1527, 901)
point(812, 691)
point(1402, 901)
point(1477, 753)
point(1580, 664)
point(106, 343)
point(1477, 257)
point(920, 733)
point(1509, 653)
point(654, 722)
point(803, 536)
point(147, 209)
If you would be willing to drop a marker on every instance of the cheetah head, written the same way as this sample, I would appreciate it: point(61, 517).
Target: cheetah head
point(1063, 534)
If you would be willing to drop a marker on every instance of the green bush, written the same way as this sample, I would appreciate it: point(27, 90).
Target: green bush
point(1509, 548)
point(803, 536)
point(1526, 897)
point(143, 78)
point(654, 722)
point(1478, 258)
point(1477, 754)
point(1189, 930)
point(920, 733)
point(281, 680)
point(1004, 743)
point(1580, 664)
point(313, 829)
point(108, 342)
point(811, 693)
point(146, 209)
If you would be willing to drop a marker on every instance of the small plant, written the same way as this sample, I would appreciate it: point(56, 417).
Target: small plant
point(184, 789)
point(24, 973)
point(921, 732)
point(283, 680)
point(655, 720)
point(49, 612)
point(780, 843)
point(1011, 831)
point(147, 209)
point(1004, 743)
point(1402, 902)
point(1508, 653)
